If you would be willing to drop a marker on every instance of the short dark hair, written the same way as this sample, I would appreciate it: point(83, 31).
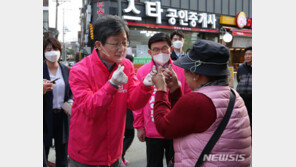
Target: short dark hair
point(130, 57)
point(159, 37)
point(109, 25)
point(56, 45)
point(178, 33)
point(248, 48)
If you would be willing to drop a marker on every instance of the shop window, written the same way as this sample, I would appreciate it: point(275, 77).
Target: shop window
point(139, 38)
point(236, 57)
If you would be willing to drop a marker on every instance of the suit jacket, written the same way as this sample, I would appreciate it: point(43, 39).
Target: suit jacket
point(174, 55)
point(47, 108)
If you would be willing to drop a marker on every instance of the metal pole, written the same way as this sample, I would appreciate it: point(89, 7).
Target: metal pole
point(83, 12)
point(119, 7)
point(64, 48)
point(56, 19)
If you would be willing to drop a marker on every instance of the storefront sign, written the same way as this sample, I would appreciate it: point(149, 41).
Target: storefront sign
point(183, 17)
point(227, 20)
point(231, 77)
point(141, 60)
point(138, 62)
point(171, 27)
point(239, 32)
point(242, 33)
point(100, 10)
point(153, 9)
point(241, 20)
point(131, 8)
point(249, 23)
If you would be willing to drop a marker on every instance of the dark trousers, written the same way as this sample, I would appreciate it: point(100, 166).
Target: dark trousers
point(44, 157)
point(156, 148)
point(248, 102)
point(127, 141)
point(60, 147)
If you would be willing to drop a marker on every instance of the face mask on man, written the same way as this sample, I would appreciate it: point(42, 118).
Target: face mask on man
point(52, 56)
point(177, 44)
point(115, 58)
point(161, 58)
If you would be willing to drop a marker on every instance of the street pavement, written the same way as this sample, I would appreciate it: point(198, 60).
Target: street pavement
point(136, 154)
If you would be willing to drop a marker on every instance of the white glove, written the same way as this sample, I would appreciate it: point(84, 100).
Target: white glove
point(119, 78)
point(148, 79)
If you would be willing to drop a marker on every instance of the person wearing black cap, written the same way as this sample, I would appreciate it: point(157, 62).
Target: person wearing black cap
point(192, 119)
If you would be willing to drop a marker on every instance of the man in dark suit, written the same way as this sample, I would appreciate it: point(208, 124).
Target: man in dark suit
point(177, 38)
point(244, 79)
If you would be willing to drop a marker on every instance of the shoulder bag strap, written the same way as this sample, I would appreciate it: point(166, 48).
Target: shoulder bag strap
point(218, 132)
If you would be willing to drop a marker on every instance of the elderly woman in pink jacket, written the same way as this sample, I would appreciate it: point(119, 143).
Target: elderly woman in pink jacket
point(192, 119)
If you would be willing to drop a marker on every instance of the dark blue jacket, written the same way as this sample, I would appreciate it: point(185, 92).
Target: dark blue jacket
point(47, 108)
point(174, 55)
point(244, 79)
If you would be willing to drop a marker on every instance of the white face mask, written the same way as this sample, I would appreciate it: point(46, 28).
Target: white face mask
point(52, 56)
point(114, 58)
point(161, 58)
point(177, 44)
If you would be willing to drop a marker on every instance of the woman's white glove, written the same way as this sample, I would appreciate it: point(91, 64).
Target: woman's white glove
point(119, 78)
point(148, 81)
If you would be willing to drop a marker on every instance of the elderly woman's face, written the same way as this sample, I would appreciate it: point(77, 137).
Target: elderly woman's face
point(190, 79)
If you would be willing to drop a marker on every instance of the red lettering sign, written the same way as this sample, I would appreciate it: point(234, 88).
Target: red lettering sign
point(100, 4)
point(249, 23)
point(101, 12)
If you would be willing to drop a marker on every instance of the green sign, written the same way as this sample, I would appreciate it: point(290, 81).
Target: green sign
point(141, 60)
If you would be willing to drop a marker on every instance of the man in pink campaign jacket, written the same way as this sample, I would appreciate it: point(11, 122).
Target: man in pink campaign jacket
point(160, 50)
point(104, 86)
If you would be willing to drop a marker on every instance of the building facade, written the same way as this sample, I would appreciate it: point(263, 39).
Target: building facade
point(198, 19)
point(45, 16)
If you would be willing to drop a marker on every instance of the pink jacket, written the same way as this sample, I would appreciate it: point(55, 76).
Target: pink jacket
point(143, 118)
point(234, 146)
point(99, 110)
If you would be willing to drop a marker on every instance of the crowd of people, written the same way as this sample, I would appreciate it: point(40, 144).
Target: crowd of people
point(179, 103)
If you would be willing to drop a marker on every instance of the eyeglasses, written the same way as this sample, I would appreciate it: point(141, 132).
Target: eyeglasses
point(118, 45)
point(157, 50)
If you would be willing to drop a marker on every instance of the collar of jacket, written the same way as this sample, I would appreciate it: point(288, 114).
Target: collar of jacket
point(247, 66)
point(96, 59)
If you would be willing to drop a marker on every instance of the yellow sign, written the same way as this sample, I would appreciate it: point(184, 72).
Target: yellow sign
point(231, 77)
point(227, 20)
point(91, 31)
